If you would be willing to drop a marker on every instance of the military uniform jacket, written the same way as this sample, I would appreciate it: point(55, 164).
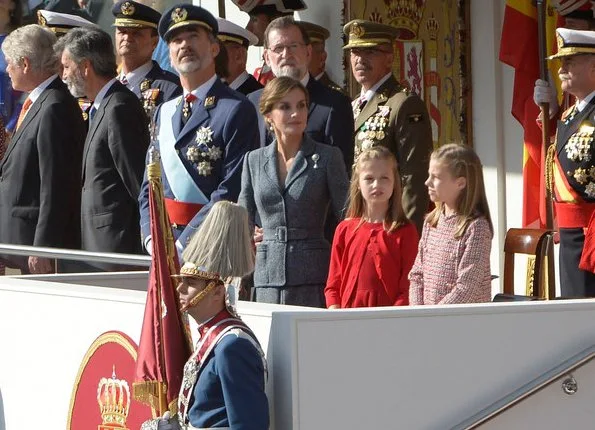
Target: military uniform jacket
point(39, 174)
point(325, 79)
point(574, 177)
point(229, 391)
point(158, 86)
point(211, 146)
point(113, 165)
point(329, 119)
point(294, 250)
point(249, 86)
point(399, 120)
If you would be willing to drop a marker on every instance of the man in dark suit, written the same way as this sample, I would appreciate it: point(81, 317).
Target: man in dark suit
point(330, 119)
point(203, 136)
point(387, 114)
point(39, 191)
point(236, 41)
point(118, 137)
point(136, 39)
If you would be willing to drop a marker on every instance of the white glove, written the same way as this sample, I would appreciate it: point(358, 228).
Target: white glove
point(148, 245)
point(166, 422)
point(545, 93)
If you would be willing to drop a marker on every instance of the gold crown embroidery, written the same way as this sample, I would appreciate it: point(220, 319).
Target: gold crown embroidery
point(357, 30)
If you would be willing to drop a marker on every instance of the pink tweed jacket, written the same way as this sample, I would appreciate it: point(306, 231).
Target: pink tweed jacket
point(449, 270)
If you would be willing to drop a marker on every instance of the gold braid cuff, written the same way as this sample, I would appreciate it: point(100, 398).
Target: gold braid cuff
point(549, 167)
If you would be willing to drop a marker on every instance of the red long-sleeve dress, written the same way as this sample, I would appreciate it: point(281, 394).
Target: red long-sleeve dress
point(370, 266)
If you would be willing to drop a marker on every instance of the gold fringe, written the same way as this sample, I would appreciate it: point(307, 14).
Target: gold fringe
point(549, 167)
point(148, 392)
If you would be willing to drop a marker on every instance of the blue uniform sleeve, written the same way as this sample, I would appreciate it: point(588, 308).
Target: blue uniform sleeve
point(241, 373)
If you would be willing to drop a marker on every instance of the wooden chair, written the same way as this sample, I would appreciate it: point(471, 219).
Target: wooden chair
point(533, 242)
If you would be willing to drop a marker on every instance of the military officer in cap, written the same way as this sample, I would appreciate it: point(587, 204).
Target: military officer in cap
point(318, 35)
point(571, 161)
point(136, 39)
point(388, 114)
point(60, 23)
point(203, 135)
point(224, 380)
point(236, 41)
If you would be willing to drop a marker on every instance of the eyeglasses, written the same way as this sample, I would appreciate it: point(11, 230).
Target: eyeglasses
point(292, 48)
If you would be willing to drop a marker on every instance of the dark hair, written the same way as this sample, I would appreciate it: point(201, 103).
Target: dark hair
point(16, 16)
point(91, 44)
point(283, 23)
point(278, 88)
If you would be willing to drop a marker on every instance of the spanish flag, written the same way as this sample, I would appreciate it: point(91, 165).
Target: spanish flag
point(519, 49)
point(165, 342)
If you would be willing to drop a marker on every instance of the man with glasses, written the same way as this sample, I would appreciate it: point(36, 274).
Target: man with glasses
point(388, 114)
point(288, 52)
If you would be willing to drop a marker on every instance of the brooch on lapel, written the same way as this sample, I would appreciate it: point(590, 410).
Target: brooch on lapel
point(315, 158)
point(203, 154)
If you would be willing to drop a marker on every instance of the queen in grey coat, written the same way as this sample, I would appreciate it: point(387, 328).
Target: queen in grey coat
point(288, 188)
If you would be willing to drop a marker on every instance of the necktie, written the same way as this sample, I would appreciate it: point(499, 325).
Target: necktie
point(24, 110)
point(92, 113)
point(187, 108)
point(361, 102)
point(123, 80)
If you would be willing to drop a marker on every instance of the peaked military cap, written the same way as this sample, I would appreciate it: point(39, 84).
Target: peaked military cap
point(60, 23)
point(184, 15)
point(574, 42)
point(368, 34)
point(316, 32)
point(578, 9)
point(129, 13)
point(270, 7)
point(230, 32)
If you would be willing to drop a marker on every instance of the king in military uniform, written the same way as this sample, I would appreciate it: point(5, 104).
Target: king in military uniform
point(203, 135)
point(573, 169)
point(136, 39)
point(388, 114)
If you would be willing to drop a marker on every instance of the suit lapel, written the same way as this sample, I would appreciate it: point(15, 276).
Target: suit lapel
point(176, 119)
point(311, 87)
point(384, 92)
point(98, 117)
point(301, 161)
point(270, 165)
point(200, 110)
point(33, 111)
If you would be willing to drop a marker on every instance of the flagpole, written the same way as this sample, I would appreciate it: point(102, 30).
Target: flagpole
point(549, 278)
point(545, 107)
point(222, 9)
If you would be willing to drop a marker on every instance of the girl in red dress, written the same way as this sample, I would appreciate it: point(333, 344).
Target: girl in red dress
point(375, 247)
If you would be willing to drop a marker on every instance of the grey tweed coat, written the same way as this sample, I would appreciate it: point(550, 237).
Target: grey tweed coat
point(294, 251)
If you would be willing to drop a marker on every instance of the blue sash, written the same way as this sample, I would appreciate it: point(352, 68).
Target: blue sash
point(181, 183)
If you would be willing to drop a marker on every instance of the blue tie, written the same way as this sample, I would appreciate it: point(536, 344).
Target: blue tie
point(92, 113)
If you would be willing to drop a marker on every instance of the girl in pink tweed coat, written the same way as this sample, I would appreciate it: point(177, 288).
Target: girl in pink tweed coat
point(453, 259)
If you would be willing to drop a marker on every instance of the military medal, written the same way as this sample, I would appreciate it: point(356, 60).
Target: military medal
point(203, 154)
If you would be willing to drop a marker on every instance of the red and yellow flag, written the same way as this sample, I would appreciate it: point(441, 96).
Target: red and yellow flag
point(519, 48)
point(165, 343)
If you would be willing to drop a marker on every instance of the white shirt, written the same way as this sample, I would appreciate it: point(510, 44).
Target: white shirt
point(237, 82)
point(305, 80)
point(36, 92)
point(367, 95)
point(101, 94)
point(135, 77)
point(583, 103)
point(201, 92)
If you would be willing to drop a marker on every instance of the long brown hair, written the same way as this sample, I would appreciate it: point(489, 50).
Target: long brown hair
point(395, 215)
point(462, 162)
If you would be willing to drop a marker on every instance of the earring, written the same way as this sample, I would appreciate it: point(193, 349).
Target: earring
point(271, 128)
